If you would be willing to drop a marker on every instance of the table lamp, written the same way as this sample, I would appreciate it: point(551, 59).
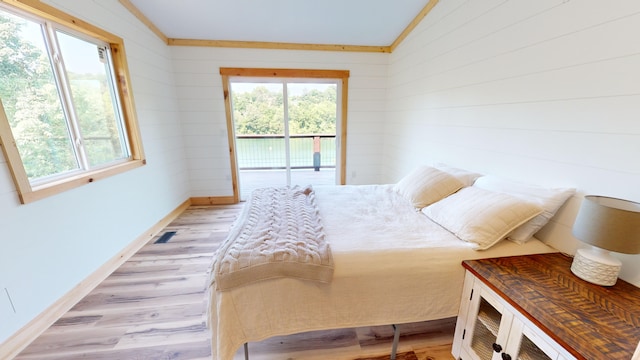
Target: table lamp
point(607, 224)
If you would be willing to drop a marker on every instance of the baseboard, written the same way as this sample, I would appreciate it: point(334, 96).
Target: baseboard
point(214, 200)
point(23, 337)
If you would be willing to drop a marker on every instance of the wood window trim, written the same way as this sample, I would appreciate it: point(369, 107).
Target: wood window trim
point(340, 75)
point(28, 193)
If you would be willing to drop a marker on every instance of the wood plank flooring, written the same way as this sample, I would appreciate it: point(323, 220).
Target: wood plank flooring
point(153, 307)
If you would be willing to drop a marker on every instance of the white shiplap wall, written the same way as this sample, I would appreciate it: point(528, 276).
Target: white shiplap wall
point(199, 87)
point(541, 91)
point(545, 92)
point(49, 246)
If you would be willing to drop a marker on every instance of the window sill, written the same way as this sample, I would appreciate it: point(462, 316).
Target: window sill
point(56, 187)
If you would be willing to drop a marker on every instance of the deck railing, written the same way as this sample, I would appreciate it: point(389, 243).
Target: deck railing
point(258, 152)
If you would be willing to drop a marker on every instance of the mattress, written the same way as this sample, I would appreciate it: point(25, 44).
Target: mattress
point(393, 265)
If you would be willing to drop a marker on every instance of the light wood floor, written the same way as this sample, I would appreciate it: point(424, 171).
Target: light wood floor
point(153, 307)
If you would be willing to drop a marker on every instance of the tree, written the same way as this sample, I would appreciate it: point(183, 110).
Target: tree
point(260, 112)
point(31, 103)
point(96, 118)
point(22, 65)
point(313, 112)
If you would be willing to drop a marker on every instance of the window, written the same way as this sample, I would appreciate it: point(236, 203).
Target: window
point(251, 75)
point(67, 114)
point(285, 131)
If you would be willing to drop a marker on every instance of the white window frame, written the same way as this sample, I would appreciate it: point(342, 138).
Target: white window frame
point(55, 19)
point(341, 78)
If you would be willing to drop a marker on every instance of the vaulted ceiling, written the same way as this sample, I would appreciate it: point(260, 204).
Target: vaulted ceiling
point(359, 25)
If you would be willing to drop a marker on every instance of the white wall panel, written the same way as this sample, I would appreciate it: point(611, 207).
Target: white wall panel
point(197, 72)
point(51, 245)
point(545, 92)
point(6, 181)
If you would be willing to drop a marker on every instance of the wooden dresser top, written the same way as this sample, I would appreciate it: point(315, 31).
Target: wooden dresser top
point(589, 321)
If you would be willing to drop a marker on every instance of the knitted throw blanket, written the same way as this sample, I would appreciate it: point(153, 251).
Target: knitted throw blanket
point(278, 234)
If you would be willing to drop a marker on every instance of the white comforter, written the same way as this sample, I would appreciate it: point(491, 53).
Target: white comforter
point(392, 265)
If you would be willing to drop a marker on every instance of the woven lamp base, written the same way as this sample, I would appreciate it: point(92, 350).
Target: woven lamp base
point(596, 266)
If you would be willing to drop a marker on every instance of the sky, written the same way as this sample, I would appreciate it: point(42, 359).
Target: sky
point(84, 57)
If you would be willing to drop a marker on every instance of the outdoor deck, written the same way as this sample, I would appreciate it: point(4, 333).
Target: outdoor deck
point(254, 179)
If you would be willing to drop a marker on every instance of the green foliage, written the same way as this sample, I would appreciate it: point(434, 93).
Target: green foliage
point(33, 106)
point(313, 112)
point(18, 60)
point(22, 65)
point(96, 118)
point(41, 134)
point(260, 112)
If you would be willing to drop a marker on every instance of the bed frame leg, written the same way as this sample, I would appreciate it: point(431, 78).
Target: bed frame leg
point(394, 347)
point(396, 338)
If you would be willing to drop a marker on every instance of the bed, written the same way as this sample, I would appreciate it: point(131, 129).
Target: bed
point(392, 264)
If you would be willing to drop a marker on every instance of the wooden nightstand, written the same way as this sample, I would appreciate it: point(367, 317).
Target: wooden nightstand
point(533, 307)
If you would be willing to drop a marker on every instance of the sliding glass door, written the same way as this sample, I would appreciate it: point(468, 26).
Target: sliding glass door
point(285, 131)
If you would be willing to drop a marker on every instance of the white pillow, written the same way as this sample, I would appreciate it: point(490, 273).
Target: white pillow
point(549, 199)
point(426, 185)
point(480, 216)
point(467, 177)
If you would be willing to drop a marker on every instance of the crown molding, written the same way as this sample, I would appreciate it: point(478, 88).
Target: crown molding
point(148, 23)
point(280, 45)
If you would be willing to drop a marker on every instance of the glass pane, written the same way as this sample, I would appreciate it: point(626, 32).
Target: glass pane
point(529, 351)
point(93, 99)
point(31, 101)
point(312, 129)
point(485, 331)
point(258, 115)
point(312, 108)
